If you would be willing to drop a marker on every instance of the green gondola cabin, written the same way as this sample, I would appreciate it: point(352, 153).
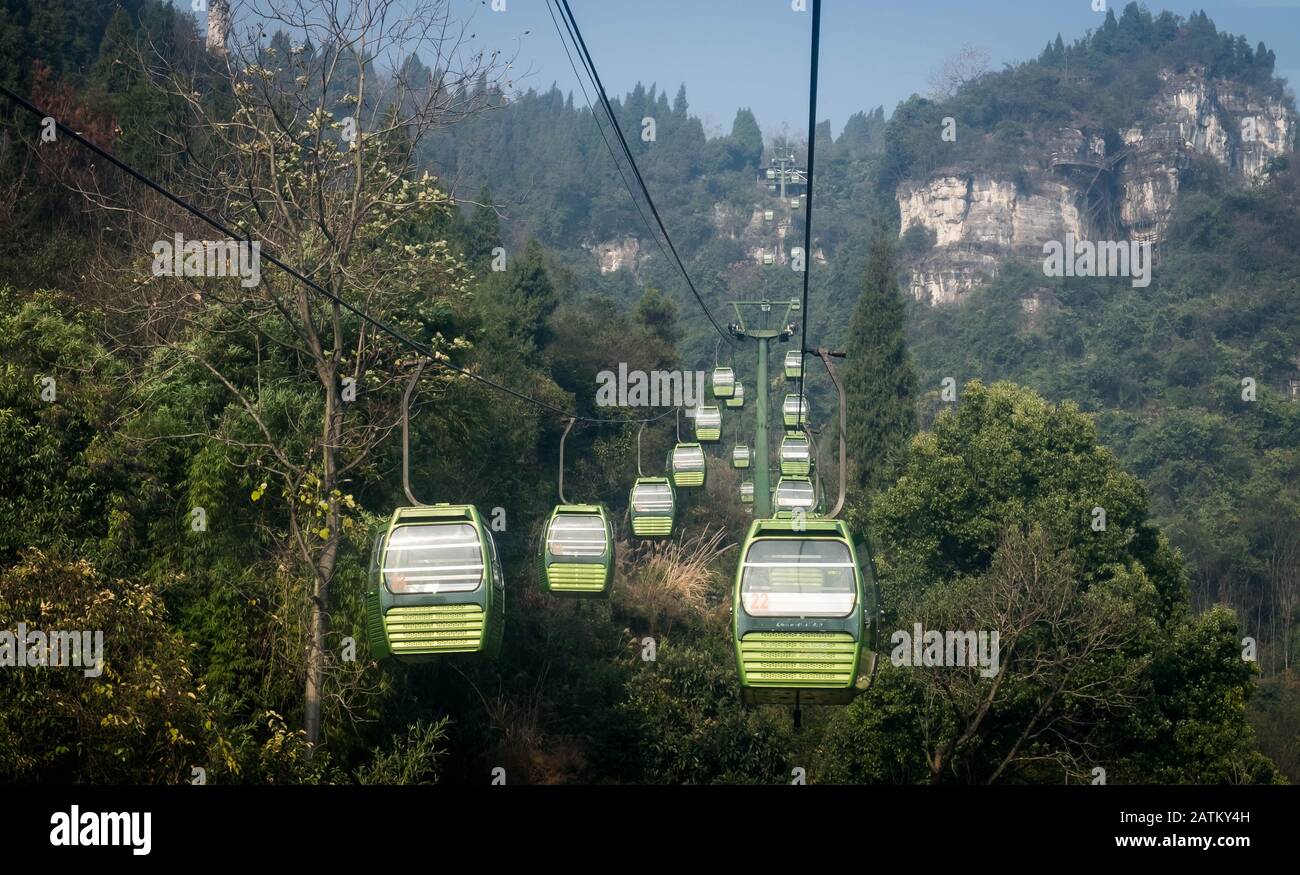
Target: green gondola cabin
point(794, 365)
point(795, 455)
point(578, 551)
point(740, 456)
point(687, 464)
point(708, 424)
point(724, 382)
point(437, 585)
point(652, 505)
point(737, 398)
point(795, 412)
point(798, 613)
point(794, 493)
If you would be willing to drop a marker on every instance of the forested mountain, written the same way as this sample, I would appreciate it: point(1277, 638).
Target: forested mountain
point(1038, 399)
point(1197, 136)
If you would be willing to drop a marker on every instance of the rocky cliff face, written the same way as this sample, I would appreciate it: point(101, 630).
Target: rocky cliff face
point(765, 234)
point(976, 220)
point(219, 23)
point(614, 255)
point(1078, 186)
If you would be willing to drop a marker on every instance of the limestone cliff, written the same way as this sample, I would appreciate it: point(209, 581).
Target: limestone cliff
point(615, 255)
point(977, 220)
point(1089, 182)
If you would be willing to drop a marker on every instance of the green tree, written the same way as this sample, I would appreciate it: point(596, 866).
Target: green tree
point(360, 184)
point(745, 132)
point(517, 303)
point(138, 720)
point(1005, 460)
point(658, 314)
point(484, 231)
point(690, 727)
point(879, 383)
point(680, 105)
point(115, 67)
point(1035, 710)
point(1006, 457)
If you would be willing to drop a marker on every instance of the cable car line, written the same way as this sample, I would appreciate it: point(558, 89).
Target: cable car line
point(600, 126)
point(305, 280)
point(801, 612)
point(590, 65)
point(803, 607)
point(812, 153)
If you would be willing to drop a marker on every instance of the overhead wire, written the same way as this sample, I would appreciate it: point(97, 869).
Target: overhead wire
point(600, 126)
point(590, 65)
point(378, 324)
point(812, 155)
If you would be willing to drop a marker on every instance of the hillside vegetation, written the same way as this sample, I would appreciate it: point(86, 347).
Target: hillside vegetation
point(1123, 647)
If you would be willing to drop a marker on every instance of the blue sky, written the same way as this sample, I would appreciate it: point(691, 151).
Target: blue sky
point(733, 53)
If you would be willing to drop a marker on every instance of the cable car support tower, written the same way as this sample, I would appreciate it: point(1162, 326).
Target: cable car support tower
point(763, 321)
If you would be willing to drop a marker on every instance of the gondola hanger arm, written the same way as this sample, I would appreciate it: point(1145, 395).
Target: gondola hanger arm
point(639, 472)
point(563, 438)
point(406, 431)
point(826, 355)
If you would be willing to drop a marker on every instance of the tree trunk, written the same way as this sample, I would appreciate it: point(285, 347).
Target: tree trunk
point(324, 567)
point(315, 665)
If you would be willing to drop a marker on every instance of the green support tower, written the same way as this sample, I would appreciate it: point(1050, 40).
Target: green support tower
point(763, 321)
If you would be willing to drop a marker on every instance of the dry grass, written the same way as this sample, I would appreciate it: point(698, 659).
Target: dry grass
point(677, 580)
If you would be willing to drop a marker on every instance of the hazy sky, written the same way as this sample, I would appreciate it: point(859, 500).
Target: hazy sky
point(733, 53)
